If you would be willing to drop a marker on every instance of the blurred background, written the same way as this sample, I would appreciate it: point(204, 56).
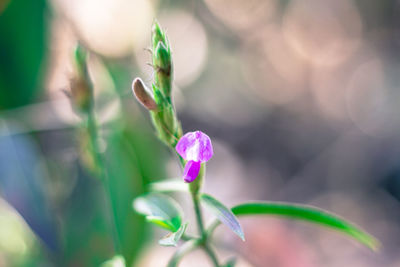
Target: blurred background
point(300, 97)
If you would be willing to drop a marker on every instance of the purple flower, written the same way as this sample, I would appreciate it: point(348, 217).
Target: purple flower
point(196, 148)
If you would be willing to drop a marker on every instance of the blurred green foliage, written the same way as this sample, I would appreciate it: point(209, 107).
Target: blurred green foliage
point(23, 46)
point(132, 158)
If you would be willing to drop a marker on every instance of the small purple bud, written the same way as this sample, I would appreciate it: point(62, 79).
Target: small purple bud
point(191, 171)
point(195, 146)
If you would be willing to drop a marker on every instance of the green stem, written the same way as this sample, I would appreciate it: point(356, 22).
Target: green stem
point(211, 254)
point(203, 236)
point(199, 216)
point(93, 133)
point(182, 251)
point(211, 228)
point(187, 237)
point(194, 190)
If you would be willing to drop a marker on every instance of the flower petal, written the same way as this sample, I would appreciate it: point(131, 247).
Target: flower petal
point(195, 146)
point(191, 171)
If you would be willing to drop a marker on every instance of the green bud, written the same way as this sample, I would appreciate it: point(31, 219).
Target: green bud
point(80, 94)
point(164, 117)
point(163, 67)
point(158, 36)
point(194, 187)
point(162, 58)
point(142, 95)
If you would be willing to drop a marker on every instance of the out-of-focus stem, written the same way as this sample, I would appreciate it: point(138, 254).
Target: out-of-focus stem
point(182, 251)
point(211, 254)
point(93, 134)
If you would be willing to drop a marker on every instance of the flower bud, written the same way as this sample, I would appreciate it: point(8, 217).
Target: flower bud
point(80, 84)
point(163, 67)
point(80, 94)
point(157, 35)
point(162, 58)
point(142, 95)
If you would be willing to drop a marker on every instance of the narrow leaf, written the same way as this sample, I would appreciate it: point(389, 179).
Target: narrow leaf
point(160, 209)
point(310, 214)
point(172, 239)
point(224, 214)
point(169, 185)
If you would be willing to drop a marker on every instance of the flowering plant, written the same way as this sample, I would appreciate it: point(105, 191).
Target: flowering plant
point(194, 149)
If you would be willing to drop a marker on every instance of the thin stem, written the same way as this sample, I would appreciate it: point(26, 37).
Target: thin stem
point(212, 227)
point(199, 216)
point(187, 237)
point(211, 254)
point(203, 236)
point(182, 251)
point(191, 241)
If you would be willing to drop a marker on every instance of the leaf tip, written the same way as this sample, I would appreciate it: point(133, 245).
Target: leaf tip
point(375, 245)
point(243, 239)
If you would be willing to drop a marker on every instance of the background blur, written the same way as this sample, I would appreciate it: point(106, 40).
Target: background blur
point(300, 97)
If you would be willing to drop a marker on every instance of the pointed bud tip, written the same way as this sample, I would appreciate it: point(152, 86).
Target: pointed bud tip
point(156, 26)
point(142, 95)
point(80, 55)
point(157, 34)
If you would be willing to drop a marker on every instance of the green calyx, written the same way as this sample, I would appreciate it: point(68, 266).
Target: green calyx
point(195, 186)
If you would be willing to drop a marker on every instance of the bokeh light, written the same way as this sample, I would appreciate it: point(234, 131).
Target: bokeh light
point(243, 15)
point(110, 27)
point(326, 34)
point(275, 73)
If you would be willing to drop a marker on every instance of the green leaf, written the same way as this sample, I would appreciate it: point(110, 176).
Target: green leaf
point(131, 159)
point(172, 239)
point(160, 209)
point(224, 214)
point(169, 185)
point(310, 214)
